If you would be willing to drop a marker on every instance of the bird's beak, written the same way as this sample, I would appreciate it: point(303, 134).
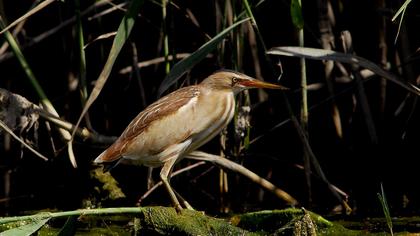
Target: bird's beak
point(260, 84)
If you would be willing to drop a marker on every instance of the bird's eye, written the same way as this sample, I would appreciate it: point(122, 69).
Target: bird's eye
point(234, 80)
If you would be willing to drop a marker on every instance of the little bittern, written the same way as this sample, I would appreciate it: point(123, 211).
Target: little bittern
point(179, 123)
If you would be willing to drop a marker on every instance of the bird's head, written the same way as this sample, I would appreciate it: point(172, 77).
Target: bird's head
point(236, 81)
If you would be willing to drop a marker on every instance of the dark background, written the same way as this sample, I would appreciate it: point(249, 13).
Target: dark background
point(352, 163)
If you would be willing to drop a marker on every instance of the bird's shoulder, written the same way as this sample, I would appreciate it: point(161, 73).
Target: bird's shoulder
point(161, 108)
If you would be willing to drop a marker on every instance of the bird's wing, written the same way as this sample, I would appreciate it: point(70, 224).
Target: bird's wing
point(161, 108)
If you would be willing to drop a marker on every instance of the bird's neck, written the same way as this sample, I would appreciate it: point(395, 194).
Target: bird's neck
point(217, 89)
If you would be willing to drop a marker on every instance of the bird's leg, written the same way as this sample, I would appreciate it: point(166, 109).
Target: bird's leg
point(184, 202)
point(150, 181)
point(164, 173)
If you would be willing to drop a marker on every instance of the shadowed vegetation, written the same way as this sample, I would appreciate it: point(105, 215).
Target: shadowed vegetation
point(75, 73)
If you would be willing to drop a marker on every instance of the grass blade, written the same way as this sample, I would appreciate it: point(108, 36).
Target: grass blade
point(123, 32)
point(255, 26)
point(28, 14)
point(69, 227)
point(322, 54)
point(296, 14)
point(82, 57)
point(28, 229)
point(165, 37)
point(401, 12)
point(297, 19)
point(85, 212)
point(187, 63)
point(385, 209)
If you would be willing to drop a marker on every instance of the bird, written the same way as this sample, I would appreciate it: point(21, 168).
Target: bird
point(179, 123)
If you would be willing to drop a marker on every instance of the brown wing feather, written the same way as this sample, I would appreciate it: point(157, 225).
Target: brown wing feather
point(161, 108)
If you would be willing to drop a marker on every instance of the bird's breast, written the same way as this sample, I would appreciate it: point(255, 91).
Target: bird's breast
point(212, 112)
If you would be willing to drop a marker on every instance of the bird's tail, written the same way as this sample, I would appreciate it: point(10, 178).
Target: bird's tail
point(107, 165)
point(100, 159)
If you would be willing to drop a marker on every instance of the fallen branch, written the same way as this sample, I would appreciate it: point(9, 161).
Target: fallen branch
point(230, 165)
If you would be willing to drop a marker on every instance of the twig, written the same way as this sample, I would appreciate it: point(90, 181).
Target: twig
point(28, 14)
point(154, 61)
point(341, 192)
point(316, 164)
point(109, 10)
point(361, 93)
point(83, 133)
point(8, 130)
point(228, 164)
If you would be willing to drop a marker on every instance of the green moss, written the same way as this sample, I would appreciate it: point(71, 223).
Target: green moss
point(150, 221)
point(167, 220)
point(289, 221)
point(110, 185)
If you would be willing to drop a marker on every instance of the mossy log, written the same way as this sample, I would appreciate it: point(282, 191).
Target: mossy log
point(166, 221)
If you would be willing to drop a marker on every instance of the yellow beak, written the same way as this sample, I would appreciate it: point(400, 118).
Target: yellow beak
point(260, 84)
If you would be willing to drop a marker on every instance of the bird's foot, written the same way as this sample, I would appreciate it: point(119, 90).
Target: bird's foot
point(178, 208)
point(183, 201)
point(187, 205)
